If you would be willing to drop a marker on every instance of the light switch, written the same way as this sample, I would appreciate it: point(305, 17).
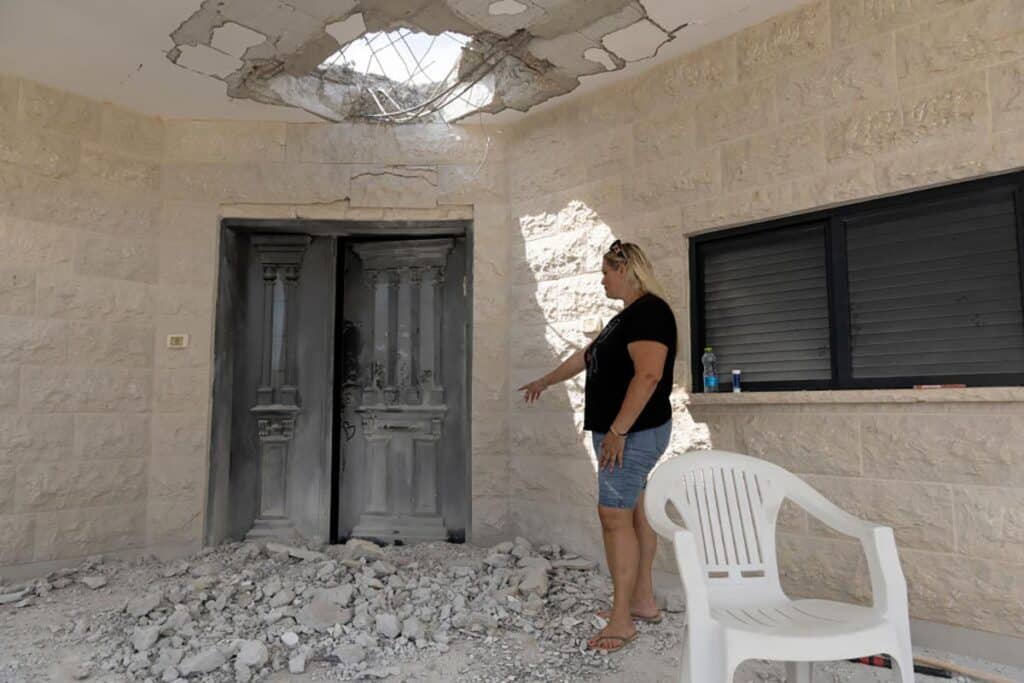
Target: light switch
point(177, 341)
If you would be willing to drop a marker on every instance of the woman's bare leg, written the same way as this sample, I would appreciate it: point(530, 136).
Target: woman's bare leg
point(642, 603)
point(622, 550)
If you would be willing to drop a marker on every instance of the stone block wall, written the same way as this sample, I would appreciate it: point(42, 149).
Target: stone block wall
point(109, 242)
point(836, 101)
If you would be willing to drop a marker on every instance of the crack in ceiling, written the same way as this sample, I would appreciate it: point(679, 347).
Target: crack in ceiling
point(517, 53)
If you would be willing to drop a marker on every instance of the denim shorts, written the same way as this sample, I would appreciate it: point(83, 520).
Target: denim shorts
point(620, 488)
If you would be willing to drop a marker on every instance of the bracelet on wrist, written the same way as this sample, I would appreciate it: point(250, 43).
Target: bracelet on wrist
point(612, 430)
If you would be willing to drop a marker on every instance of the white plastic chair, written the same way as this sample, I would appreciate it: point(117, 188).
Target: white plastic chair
point(736, 609)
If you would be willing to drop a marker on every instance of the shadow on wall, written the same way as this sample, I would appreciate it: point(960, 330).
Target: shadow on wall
point(557, 306)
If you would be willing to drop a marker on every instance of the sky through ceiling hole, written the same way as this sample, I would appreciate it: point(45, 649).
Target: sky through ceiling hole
point(403, 56)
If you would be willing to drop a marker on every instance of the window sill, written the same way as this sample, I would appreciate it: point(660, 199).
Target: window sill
point(869, 396)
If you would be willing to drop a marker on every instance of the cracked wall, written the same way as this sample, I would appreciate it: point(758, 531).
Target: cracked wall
point(521, 54)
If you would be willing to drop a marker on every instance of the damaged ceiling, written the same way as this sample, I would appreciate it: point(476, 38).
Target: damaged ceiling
point(516, 54)
point(292, 59)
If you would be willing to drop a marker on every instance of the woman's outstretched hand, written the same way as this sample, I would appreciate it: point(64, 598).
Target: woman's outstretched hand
point(612, 447)
point(533, 390)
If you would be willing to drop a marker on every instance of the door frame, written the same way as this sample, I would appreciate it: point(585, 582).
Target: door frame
point(217, 525)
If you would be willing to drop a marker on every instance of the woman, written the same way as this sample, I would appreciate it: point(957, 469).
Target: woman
point(629, 379)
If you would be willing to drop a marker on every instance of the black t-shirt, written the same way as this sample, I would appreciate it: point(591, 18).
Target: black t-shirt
point(610, 367)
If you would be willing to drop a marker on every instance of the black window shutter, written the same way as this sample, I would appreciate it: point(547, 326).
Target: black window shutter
point(766, 308)
point(935, 288)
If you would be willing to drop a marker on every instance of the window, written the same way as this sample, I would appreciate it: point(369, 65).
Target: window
point(924, 288)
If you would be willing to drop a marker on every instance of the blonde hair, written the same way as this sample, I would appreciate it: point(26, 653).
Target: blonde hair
point(638, 267)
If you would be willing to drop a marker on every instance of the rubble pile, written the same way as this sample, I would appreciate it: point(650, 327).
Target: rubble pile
point(240, 612)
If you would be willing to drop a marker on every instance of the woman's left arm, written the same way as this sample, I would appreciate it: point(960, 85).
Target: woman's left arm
point(648, 365)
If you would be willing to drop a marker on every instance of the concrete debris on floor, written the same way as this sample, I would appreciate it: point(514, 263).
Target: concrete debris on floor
point(258, 612)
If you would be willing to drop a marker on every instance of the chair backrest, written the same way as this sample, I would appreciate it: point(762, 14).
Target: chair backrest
point(730, 502)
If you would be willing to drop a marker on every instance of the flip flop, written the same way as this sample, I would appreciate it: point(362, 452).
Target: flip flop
point(623, 642)
point(639, 617)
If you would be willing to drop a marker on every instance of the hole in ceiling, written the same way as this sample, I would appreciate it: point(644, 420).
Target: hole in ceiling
point(506, 7)
point(407, 76)
point(596, 54)
point(402, 56)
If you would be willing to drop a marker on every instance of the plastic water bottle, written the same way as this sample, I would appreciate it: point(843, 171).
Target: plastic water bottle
point(708, 360)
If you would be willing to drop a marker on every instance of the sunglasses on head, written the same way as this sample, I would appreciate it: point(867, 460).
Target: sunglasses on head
point(617, 249)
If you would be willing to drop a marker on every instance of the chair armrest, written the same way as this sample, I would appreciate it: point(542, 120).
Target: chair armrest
point(888, 585)
point(824, 510)
point(693, 576)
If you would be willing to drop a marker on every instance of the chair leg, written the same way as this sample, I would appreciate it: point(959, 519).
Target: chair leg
point(701, 664)
point(903, 658)
point(798, 672)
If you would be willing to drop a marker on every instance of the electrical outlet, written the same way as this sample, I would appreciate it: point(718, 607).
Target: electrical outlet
point(177, 341)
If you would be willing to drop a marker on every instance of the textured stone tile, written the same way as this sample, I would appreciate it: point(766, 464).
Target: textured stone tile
point(948, 110)
point(174, 523)
point(736, 112)
point(490, 476)
point(784, 40)
point(708, 70)
point(181, 390)
point(35, 438)
point(439, 143)
point(765, 158)
point(572, 251)
point(225, 141)
point(17, 291)
point(86, 531)
point(968, 592)
point(31, 340)
point(560, 300)
point(131, 133)
point(855, 20)
point(59, 111)
point(578, 526)
point(120, 259)
point(472, 184)
point(9, 89)
point(356, 143)
point(607, 153)
point(556, 169)
point(790, 196)
point(29, 196)
point(852, 181)
point(989, 523)
point(803, 443)
point(62, 295)
point(1006, 85)
point(666, 133)
point(198, 222)
point(120, 437)
point(49, 154)
point(176, 480)
point(570, 480)
point(921, 515)
point(864, 130)
point(675, 181)
point(394, 186)
point(69, 484)
point(538, 346)
point(31, 244)
point(8, 485)
point(792, 519)
point(181, 263)
point(10, 390)
point(16, 538)
point(258, 182)
point(96, 390)
point(935, 164)
point(185, 301)
point(818, 568)
point(547, 435)
point(980, 34)
point(106, 345)
point(491, 519)
point(180, 435)
point(966, 448)
point(863, 72)
point(103, 169)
